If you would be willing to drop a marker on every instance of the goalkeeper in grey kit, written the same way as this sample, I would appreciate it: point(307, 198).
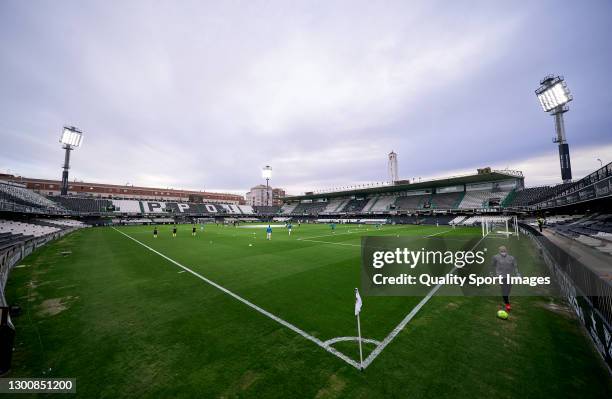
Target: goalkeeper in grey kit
point(504, 265)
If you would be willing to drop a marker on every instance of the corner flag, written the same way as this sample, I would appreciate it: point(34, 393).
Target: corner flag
point(357, 302)
point(357, 311)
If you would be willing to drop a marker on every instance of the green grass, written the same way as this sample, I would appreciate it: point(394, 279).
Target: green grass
point(126, 323)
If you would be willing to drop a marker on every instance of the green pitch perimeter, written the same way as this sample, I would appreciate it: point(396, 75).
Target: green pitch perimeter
point(121, 316)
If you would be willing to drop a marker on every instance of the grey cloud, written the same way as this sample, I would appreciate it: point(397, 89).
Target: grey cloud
point(202, 94)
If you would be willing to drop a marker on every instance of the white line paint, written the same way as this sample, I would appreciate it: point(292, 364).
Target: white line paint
point(406, 320)
point(359, 245)
point(252, 305)
point(334, 243)
point(330, 235)
point(342, 339)
point(437, 234)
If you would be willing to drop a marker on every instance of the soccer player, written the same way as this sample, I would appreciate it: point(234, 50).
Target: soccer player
point(269, 232)
point(193, 231)
point(289, 227)
point(333, 227)
point(504, 264)
point(155, 232)
point(174, 231)
point(540, 223)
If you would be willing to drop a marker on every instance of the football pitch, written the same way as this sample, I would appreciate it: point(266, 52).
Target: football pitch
point(227, 313)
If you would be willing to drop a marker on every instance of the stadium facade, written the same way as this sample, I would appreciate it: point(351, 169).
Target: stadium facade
point(108, 191)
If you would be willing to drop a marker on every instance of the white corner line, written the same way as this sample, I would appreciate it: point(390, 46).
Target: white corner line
point(343, 339)
point(290, 326)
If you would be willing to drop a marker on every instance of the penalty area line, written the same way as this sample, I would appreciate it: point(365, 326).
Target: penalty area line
point(290, 326)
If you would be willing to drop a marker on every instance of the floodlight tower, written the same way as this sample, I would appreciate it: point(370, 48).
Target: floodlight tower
point(266, 173)
point(553, 95)
point(71, 139)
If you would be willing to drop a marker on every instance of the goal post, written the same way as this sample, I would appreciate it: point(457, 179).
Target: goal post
point(499, 226)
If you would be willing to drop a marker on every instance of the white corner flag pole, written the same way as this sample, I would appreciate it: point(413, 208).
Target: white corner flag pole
point(357, 311)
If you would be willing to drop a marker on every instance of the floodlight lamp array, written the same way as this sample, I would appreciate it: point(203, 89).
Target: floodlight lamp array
point(553, 93)
point(71, 136)
point(266, 172)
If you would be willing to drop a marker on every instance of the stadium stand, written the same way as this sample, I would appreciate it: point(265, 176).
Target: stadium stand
point(594, 230)
point(370, 203)
point(26, 229)
point(447, 200)
point(351, 221)
point(309, 208)
point(229, 208)
point(61, 222)
point(533, 195)
point(481, 199)
point(411, 202)
point(457, 220)
point(127, 206)
point(246, 209)
point(85, 205)
point(333, 205)
point(354, 205)
point(287, 208)
point(20, 195)
point(383, 203)
point(270, 210)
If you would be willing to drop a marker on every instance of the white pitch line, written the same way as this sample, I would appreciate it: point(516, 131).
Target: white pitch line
point(358, 245)
point(437, 234)
point(335, 243)
point(406, 320)
point(343, 339)
point(328, 235)
point(252, 305)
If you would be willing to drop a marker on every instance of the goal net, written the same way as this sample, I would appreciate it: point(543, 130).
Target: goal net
point(500, 226)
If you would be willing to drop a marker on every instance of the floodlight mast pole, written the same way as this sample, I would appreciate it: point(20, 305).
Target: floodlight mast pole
point(564, 154)
point(71, 138)
point(553, 95)
point(64, 189)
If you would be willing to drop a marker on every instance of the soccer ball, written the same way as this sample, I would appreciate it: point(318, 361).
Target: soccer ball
point(502, 314)
point(250, 245)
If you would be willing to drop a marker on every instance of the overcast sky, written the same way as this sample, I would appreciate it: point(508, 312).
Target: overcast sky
point(203, 94)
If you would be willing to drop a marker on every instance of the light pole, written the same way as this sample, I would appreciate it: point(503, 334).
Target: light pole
point(266, 173)
point(600, 163)
point(71, 138)
point(553, 94)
